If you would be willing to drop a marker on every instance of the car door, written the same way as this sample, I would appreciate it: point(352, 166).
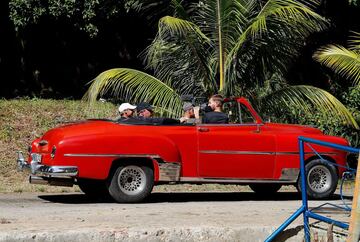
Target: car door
point(241, 150)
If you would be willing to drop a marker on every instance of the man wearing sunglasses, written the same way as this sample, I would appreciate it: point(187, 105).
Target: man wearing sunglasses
point(126, 111)
point(144, 110)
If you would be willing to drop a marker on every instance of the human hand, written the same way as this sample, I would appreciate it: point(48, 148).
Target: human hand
point(182, 120)
point(197, 112)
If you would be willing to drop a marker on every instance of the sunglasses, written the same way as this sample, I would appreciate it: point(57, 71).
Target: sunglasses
point(143, 111)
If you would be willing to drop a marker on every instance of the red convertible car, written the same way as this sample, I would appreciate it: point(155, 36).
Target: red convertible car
point(126, 160)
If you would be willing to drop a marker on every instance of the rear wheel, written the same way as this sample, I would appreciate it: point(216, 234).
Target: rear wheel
point(131, 183)
point(321, 179)
point(264, 188)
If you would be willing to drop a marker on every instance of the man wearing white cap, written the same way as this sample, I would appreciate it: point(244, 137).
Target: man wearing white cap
point(126, 111)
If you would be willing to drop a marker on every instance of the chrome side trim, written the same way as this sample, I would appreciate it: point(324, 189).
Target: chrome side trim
point(238, 152)
point(113, 155)
point(230, 180)
point(306, 153)
point(231, 125)
point(290, 174)
point(235, 152)
point(169, 171)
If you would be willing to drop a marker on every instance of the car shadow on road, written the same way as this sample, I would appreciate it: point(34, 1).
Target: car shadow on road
point(180, 197)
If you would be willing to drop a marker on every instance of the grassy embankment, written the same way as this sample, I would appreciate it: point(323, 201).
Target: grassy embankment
point(23, 120)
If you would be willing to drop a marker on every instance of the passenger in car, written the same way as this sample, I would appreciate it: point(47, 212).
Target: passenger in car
point(144, 110)
point(191, 114)
point(126, 111)
point(216, 116)
point(145, 116)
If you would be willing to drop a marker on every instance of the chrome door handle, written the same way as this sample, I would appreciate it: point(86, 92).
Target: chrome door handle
point(202, 129)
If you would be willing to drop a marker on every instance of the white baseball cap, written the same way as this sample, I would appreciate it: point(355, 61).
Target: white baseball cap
point(125, 106)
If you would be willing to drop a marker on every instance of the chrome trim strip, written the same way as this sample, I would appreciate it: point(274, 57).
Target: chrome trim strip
point(230, 125)
point(113, 155)
point(306, 153)
point(231, 180)
point(169, 171)
point(235, 152)
point(238, 152)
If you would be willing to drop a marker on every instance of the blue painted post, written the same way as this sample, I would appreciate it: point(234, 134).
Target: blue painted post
point(304, 208)
point(285, 224)
point(304, 191)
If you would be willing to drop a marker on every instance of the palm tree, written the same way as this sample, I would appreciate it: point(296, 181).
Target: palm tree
point(345, 62)
point(223, 46)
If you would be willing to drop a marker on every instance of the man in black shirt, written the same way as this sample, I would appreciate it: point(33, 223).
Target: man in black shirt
point(216, 116)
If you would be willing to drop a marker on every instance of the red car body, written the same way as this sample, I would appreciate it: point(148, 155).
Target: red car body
point(255, 153)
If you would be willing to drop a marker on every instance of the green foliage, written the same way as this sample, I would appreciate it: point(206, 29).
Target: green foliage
point(355, 3)
point(343, 61)
point(84, 14)
point(226, 46)
point(327, 122)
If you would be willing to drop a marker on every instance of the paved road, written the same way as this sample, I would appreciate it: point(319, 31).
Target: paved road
point(164, 217)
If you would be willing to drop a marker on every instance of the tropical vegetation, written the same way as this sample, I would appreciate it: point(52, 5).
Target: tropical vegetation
point(344, 61)
point(236, 48)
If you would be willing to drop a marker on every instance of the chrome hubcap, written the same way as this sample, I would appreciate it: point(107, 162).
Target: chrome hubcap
point(319, 179)
point(131, 180)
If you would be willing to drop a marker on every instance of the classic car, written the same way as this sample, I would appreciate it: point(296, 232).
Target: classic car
point(125, 160)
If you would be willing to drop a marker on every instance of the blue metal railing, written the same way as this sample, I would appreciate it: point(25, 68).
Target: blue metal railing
point(304, 208)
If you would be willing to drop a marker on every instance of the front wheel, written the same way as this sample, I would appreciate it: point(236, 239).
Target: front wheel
point(321, 179)
point(131, 183)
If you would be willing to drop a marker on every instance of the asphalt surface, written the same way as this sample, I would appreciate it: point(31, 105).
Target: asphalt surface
point(203, 216)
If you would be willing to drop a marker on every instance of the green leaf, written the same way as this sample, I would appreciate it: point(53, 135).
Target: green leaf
point(301, 96)
point(135, 86)
point(343, 61)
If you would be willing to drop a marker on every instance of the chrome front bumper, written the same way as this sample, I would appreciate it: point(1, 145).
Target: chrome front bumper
point(43, 170)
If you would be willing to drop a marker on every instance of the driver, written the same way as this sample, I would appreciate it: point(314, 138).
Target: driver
point(216, 116)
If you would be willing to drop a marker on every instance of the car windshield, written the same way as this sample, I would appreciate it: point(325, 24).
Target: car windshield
point(238, 113)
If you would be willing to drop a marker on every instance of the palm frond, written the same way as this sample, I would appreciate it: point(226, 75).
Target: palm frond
point(301, 96)
point(179, 55)
point(270, 42)
point(354, 42)
point(343, 61)
point(171, 26)
point(135, 86)
point(223, 21)
point(179, 10)
point(291, 15)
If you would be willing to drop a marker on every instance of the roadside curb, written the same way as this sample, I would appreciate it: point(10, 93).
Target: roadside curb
point(209, 234)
